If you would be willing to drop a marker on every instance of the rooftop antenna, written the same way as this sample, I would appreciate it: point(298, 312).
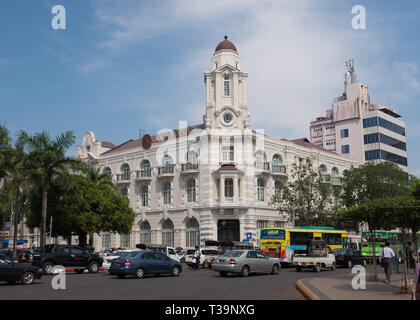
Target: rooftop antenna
point(141, 133)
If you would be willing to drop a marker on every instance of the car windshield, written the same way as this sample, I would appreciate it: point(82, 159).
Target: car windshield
point(339, 251)
point(233, 254)
point(190, 251)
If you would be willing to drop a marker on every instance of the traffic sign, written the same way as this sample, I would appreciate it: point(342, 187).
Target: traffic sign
point(249, 235)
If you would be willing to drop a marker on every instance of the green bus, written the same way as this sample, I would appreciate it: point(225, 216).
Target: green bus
point(380, 239)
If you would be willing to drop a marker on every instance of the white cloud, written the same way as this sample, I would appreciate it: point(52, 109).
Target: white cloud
point(294, 51)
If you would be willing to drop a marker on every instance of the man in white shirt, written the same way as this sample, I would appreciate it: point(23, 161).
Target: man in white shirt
point(386, 255)
point(196, 259)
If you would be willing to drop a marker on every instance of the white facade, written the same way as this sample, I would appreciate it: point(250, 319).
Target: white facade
point(360, 130)
point(212, 181)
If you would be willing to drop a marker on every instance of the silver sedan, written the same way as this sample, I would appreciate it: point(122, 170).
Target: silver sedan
point(245, 262)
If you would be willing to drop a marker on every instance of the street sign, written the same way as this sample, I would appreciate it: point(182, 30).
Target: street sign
point(249, 235)
point(245, 240)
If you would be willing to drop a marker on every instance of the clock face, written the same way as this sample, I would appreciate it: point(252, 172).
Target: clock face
point(227, 118)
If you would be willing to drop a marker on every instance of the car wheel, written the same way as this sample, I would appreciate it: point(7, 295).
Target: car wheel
point(275, 269)
point(349, 264)
point(139, 273)
point(333, 266)
point(48, 267)
point(245, 271)
point(205, 265)
point(223, 273)
point(298, 269)
point(317, 268)
point(175, 271)
point(121, 276)
point(93, 267)
point(79, 270)
point(28, 278)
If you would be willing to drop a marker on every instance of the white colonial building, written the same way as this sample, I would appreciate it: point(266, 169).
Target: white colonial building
point(212, 181)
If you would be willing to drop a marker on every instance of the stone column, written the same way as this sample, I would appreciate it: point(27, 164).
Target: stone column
point(222, 190)
point(235, 190)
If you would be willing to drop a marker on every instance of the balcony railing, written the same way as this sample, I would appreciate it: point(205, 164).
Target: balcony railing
point(166, 170)
point(144, 174)
point(189, 167)
point(123, 178)
point(278, 169)
point(326, 178)
point(262, 166)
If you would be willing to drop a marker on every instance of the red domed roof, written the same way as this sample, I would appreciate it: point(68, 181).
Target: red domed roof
point(226, 44)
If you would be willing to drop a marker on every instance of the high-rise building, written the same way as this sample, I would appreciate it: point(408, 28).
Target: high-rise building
point(359, 129)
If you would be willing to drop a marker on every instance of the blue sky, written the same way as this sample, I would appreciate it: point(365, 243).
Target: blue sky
point(121, 66)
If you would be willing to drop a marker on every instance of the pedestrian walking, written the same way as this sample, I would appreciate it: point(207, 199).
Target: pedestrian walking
point(196, 259)
point(416, 281)
point(385, 258)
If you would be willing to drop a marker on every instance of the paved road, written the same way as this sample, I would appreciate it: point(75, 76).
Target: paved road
point(203, 284)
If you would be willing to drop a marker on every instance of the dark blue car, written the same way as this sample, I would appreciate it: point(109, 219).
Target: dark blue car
point(141, 263)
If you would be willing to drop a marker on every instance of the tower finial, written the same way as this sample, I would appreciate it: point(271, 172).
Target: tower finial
point(226, 37)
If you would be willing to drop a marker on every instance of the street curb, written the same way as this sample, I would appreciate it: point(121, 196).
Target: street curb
point(304, 290)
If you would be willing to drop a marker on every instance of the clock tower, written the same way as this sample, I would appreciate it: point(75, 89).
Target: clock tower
point(226, 94)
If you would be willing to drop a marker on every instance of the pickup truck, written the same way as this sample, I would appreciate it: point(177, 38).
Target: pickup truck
point(316, 256)
point(66, 256)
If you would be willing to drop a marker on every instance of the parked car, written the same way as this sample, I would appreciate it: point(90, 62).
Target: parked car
point(66, 256)
point(348, 257)
point(23, 255)
point(145, 262)
point(244, 262)
point(207, 257)
point(119, 254)
point(13, 272)
point(169, 251)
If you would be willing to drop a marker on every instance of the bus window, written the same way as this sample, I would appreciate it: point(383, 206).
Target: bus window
point(332, 238)
point(297, 238)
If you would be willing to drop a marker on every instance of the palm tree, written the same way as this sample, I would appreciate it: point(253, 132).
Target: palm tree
point(95, 175)
point(48, 163)
point(14, 196)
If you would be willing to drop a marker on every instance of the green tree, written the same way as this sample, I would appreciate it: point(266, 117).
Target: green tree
point(48, 162)
point(85, 207)
point(308, 197)
point(372, 214)
point(373, 181)
point(14, 163)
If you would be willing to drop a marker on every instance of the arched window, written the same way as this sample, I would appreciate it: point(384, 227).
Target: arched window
point(277, 191)
point(145, 168)
point(192, 157)
point(106, 240)
point(168, 233)
point(226, 86)
point(145, 233)
point(192, 233)
point(167, 160)
point(107, 171)
point(276, 163)
point(260, 189)
point(125, 169)
point(145, 195)
point(228, 188)
point(334, 172)
point(323, 168)
point(167, 193)
point(124, 192)
point(191, 191)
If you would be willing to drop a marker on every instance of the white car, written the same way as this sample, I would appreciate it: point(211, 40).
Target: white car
point(108, 260)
